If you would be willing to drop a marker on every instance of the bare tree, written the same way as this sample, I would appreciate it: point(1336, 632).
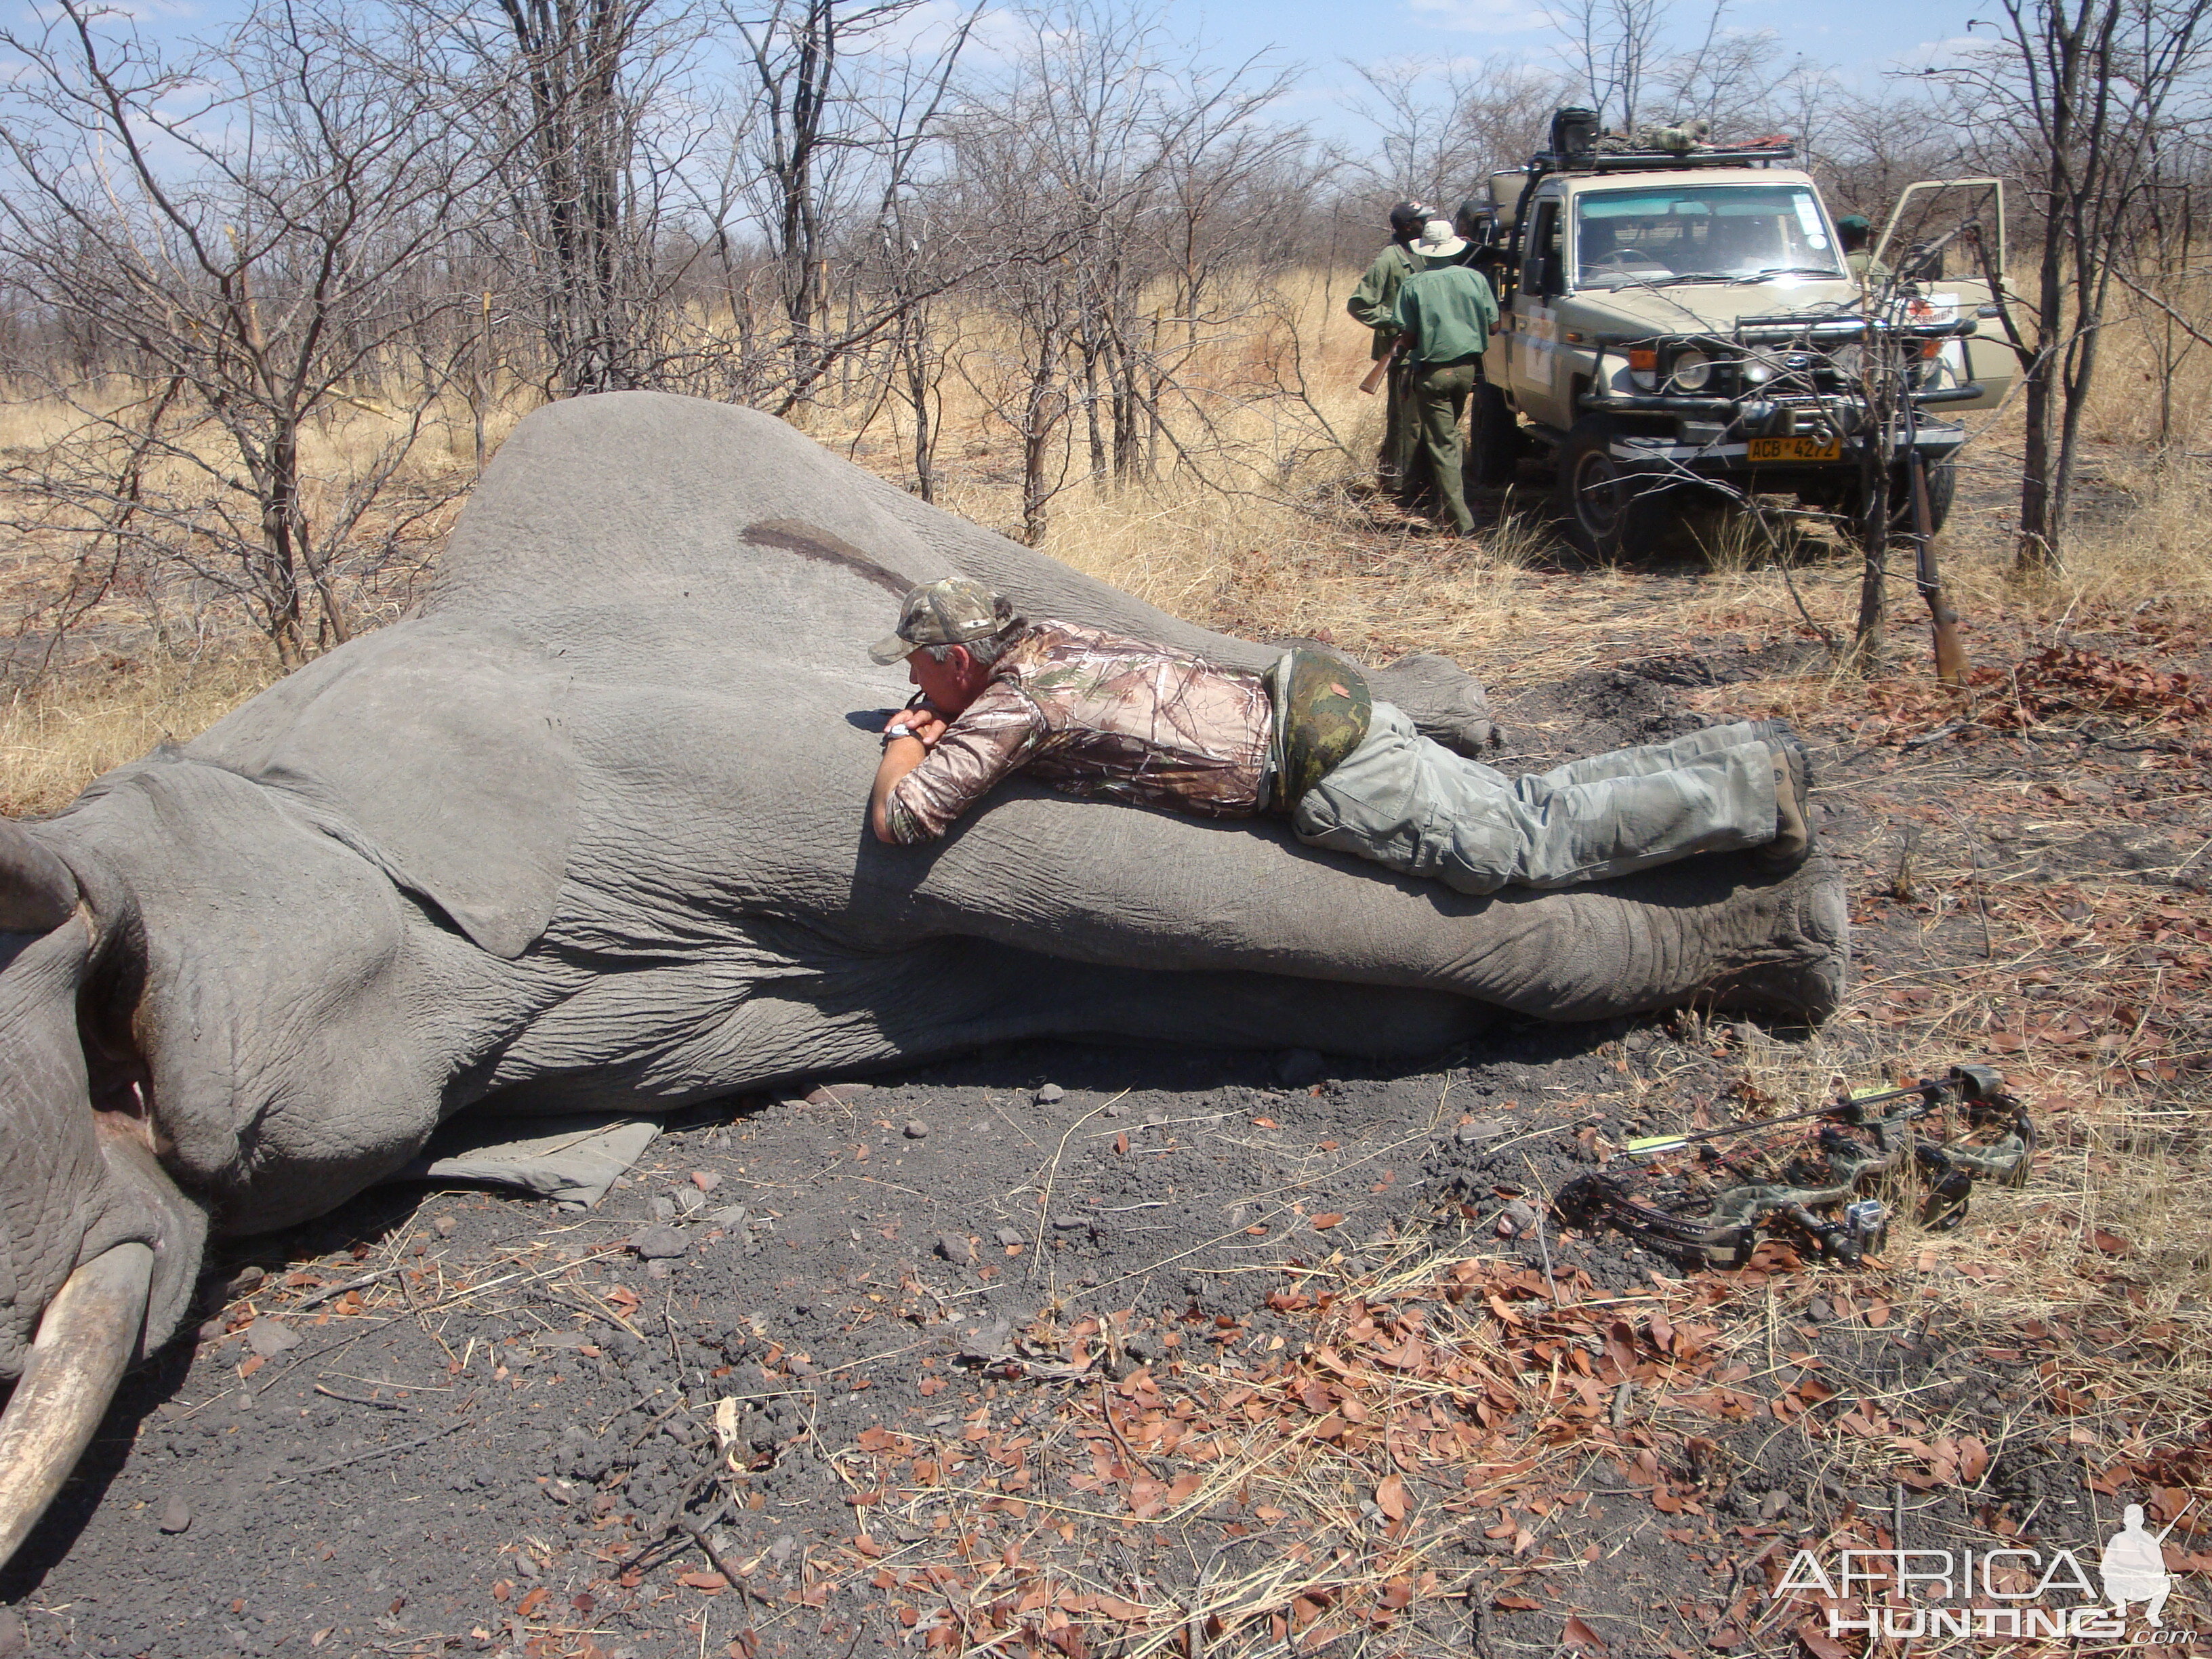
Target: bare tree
point(1728, 78)
point(1441, 129)
point(847, 103)
point(2165, 271)
point(1615, 47)
point(590, 114)
point(1123, 182)
point(2072, 94)
point(241, 238)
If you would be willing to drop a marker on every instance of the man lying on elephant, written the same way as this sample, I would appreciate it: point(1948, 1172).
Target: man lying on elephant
point(1097, 714)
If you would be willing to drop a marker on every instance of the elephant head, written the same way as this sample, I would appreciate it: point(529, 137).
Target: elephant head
point(99, 1247)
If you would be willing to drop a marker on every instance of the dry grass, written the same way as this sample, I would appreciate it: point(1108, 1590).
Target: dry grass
point(2092, 992)
point(56, 738)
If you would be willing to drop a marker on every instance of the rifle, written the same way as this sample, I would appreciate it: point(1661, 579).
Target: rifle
point(1383, 365)
point(1950, 654)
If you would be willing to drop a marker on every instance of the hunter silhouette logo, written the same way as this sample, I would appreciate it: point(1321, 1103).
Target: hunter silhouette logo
point(2134, 1568)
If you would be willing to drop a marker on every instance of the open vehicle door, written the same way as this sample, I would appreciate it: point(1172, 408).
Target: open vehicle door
point(1966, 275)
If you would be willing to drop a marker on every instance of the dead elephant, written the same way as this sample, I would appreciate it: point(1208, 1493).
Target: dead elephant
point(587, 828)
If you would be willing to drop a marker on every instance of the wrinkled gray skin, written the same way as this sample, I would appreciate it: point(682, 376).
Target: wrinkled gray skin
point(589, 828)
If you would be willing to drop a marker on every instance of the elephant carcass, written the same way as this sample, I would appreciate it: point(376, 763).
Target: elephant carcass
point(588, 829)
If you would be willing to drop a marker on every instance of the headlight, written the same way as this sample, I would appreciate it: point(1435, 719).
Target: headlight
point(1757, 371)
point(1692, 369)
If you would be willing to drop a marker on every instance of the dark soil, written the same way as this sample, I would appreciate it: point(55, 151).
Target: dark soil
point(508, 1442)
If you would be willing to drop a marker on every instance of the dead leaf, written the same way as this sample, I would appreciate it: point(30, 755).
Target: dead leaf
point(1322, 1223)
point(1407, 1356)
point(528, 1606)
point(2111, 1243)
point(1820, 1643)
point(1515, 1603)
point(1579, 1635)
point(712, 1582)
point(1390, 1497)
point(1264, 1122)
point(1121, 1144)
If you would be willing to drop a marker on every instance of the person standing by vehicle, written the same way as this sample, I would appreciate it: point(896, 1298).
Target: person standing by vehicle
point(1853, 232)
point(1373, 304)
point(1446, 311)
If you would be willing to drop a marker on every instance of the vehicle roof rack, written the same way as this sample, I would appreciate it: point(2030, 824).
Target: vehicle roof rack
point(1659, 160)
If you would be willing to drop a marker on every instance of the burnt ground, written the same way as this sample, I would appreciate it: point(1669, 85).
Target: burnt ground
point(1104, 1350)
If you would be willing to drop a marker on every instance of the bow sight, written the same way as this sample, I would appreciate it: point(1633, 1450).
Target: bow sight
point(1678, 1206)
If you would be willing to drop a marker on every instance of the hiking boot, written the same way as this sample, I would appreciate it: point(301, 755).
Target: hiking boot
point(1793, 805)
point(1771, 732)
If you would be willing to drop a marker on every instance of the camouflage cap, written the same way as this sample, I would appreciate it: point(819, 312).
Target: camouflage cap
point(951, 611)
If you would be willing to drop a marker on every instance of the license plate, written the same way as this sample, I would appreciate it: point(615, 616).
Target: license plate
point(1797, 449)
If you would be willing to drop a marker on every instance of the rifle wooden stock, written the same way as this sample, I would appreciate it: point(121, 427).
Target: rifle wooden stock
point(1950, 654)
point(1382, 366)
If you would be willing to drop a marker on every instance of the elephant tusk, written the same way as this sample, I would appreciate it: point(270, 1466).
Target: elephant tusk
point(86, 1338)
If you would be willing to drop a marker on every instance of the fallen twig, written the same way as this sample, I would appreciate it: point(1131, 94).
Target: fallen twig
point(362, 1399)
point(374, 1453)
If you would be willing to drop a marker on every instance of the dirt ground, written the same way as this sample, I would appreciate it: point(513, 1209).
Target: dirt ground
point(1087, 1350)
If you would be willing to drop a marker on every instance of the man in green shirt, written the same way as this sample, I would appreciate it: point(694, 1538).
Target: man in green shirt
point(1853, 231)
point(1373, 304)
point(1446, 312)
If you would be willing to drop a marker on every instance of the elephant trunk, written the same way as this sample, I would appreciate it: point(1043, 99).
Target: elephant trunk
point(88, 1334)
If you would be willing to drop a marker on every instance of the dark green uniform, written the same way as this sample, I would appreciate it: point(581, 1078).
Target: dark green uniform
point(1374, 305)
point(1447, 313)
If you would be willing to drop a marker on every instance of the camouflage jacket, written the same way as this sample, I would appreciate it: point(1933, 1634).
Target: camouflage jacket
point(1097, 714)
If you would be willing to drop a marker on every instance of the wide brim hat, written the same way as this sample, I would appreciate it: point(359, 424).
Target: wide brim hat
point(950, 611)
point(1451, 243)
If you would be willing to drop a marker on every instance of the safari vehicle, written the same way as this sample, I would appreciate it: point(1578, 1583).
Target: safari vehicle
point(1679, 317)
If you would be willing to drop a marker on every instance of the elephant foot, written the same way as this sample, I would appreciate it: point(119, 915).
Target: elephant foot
point(1796, 976)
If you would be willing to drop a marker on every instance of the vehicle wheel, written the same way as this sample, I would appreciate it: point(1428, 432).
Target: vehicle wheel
point(1494, 450)
point(1942, 490)
point(1608, 514)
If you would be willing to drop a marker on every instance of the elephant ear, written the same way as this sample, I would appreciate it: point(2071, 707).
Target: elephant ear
point(37, 891)
point(443, 757)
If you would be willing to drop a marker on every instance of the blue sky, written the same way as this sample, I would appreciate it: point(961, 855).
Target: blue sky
point(1858, 42)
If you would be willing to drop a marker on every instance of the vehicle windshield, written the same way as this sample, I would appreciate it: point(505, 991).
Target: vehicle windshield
point(1654, 235)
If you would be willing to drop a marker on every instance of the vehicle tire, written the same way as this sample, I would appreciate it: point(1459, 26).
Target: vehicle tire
point(1494, 442)
point(1942, 490)
point(1607, 512)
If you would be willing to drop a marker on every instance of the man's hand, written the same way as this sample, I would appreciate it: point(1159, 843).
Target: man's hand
point(901, 756)
point(923, 721)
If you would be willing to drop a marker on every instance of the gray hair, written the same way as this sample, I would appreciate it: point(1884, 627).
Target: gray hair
point(989, 647)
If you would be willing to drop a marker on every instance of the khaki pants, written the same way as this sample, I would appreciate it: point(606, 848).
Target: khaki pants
point(1440, 394)
point(1423, 811)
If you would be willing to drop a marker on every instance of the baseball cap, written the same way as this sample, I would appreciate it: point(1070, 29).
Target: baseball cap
point(951, 611)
